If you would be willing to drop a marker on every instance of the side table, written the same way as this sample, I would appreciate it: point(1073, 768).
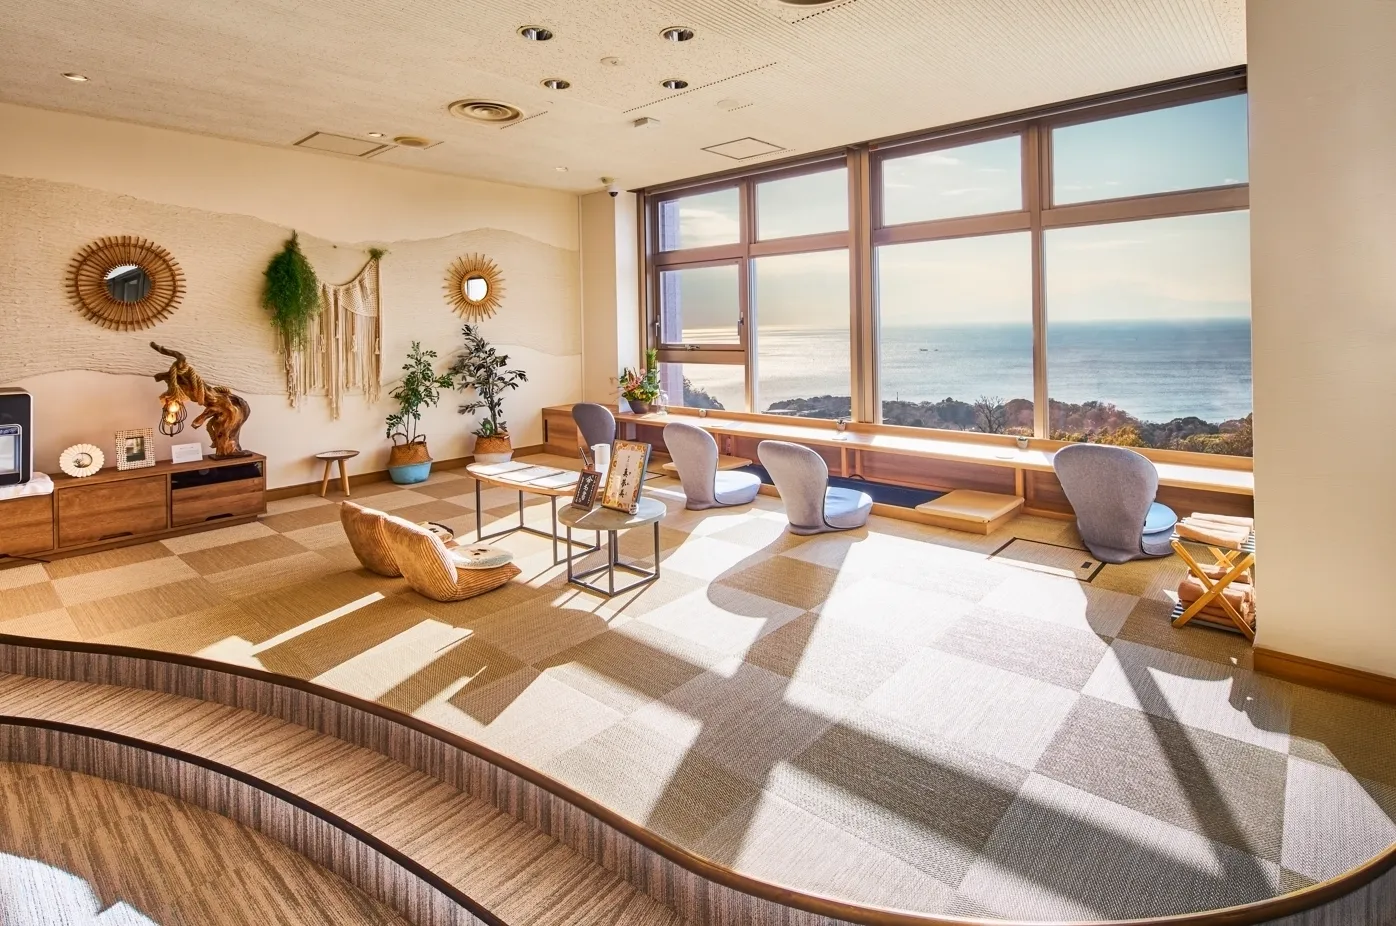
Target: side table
point(609, 520)
point(331, 457)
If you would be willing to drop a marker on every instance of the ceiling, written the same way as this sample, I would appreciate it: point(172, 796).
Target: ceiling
point(799, 77)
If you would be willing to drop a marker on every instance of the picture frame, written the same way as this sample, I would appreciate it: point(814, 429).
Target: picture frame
point(625, 480)
point(587, 484)
point(135, 448)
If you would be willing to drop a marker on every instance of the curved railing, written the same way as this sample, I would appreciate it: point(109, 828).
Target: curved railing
point(688, 881)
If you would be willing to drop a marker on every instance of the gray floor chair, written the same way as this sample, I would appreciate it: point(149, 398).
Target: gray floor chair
point(694, 453)
point(802, 479)
point(595, 424)
point(1112, 491)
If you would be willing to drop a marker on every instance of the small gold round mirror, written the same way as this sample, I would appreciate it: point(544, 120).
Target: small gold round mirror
point(474, 286)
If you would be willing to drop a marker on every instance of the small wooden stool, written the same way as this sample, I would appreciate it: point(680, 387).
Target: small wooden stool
point(330, 457)
point(1235, 562)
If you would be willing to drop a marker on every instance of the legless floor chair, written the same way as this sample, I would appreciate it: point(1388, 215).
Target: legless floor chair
point(431, 570)
point(694, 453)
point(1112, 489)
point(802, 479)
point(595, 424)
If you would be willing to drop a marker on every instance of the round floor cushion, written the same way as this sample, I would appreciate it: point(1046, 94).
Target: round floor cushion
point(481, 556)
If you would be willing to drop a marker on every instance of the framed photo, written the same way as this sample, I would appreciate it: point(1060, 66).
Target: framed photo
point(587, 484)
point(135, 448)
point(626, 477)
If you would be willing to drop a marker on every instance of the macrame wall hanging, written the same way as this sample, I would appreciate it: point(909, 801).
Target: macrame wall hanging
point(343, 349)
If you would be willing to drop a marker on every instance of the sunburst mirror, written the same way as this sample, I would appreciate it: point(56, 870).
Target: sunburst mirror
point(125, 282)
point(474, 286)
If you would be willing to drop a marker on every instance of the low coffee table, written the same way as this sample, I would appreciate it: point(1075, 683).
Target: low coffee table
point(611, 521)
point(574, 547)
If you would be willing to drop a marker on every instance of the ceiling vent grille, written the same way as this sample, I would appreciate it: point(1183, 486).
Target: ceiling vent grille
point(342, 144)
point(486, 112)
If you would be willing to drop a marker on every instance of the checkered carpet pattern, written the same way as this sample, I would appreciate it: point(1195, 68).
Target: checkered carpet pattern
point(893, 716)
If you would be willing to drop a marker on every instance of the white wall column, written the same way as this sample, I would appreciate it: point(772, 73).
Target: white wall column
point(610, 292)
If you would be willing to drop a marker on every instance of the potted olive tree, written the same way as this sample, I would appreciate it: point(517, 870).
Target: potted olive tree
point(409, 461)
point(481, 368)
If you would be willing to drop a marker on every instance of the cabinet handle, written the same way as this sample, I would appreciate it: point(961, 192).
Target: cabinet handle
point(114, 536)
point(215, 517)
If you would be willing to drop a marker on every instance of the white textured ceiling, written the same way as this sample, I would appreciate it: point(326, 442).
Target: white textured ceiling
point(804, 79)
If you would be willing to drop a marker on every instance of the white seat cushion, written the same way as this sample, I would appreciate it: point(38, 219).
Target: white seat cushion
point(846, 508)
point(735, 488)
point(480, 556)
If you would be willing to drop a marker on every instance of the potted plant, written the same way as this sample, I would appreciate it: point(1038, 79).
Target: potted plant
point(641, 390)
point(482, 368)
point(409, 461)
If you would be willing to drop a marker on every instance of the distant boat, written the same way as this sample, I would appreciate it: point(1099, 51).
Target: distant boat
point(924, 349)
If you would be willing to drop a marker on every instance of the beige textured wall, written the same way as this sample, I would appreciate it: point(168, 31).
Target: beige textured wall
point(610, 292)
point(222, 209)
point(1323, 193)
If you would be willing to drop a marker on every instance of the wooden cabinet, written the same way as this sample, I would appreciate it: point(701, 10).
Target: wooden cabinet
point(112, 510)
point(218, 501)
point(26, 525)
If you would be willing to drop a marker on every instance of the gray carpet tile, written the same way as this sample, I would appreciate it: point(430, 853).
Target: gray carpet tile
point(927, 800)
point(780, 842)
point(896, 610)
point(1332, 821)
point(1062, 853)
point(743, 717)
point(1340, 730)
point(669, 787)
point(721, 619)
point(1150, 622)
point(831, 654)
point(799, 584)
point(1220, 787)
point(1000, 713)
point(1225, 699)
point(1047, 652)
point(1061, 601)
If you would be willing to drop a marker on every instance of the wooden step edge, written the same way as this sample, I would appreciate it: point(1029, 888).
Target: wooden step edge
point(387, 874)
point(703, 892)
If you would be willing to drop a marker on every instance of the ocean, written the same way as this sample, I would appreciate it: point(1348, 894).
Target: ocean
point(1155, 371)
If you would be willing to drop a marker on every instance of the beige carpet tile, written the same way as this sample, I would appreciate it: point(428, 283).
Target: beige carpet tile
point(673, 790)
point(799, 584)
point(341, 556)
point(348, 638)
point(122, 612)
point(1345, 732)
point(895, 610)
point(188, 543)
point(1217, 786)
point(743, 717)
point(1062, 601)
point(432, 510)
point(923, 799)
point(34, 598)
point(396, 501)
point(420, 676)
point(529, 716)
point(759, 532)
point(1333, 822)
point(243, 553)
point(53, 625)
point(320, 592)
point(221, 632)
point(647, 598)
point(1045, 651)
point(269, 576)
point(630, 666)
point(472, 611)
point(459, 490)
point(831, 655)
point(1142, 577)
point(542, 627)
point(706, 558)
point(722, 619)
point(779, 842)
point(1231, 701)
point(1006, 715)
point(1048, 558)
point(299, 502)
point(120, 580)
point(320, 537)
point(1150, 622)
point(14, 576)
point(1062, 853)
point(639, 543)
point(301, 518)
point(107, 559)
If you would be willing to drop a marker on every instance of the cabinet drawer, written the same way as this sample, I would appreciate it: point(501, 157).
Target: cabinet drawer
point(131, 507)
point(26, 525)
point(217, 501)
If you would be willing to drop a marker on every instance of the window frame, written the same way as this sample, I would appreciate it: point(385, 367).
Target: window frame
point(867, 231)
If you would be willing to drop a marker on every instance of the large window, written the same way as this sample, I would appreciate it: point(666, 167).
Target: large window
point(1079, 274)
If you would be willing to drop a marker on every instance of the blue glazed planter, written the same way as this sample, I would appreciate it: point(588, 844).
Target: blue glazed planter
point(410, 473)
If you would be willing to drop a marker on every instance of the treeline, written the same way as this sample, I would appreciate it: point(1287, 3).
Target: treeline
point(1092, 422)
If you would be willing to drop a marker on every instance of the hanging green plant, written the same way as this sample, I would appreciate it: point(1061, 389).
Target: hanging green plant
point(292, 294)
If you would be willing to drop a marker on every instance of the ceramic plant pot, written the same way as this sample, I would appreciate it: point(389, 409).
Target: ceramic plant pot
point(494, 449)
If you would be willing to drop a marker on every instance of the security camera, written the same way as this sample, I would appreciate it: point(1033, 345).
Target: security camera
point(611, 187)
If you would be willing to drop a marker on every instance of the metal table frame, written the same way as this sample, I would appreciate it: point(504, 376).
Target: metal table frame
point(611, 565)
point(481, 536)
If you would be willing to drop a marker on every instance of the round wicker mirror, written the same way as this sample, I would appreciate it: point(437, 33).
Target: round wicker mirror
point(474, 286)
point(125, 282)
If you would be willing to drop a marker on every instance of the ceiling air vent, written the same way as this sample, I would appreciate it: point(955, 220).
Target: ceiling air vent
point(415, 141)
point(486, 112)
point(341, 144)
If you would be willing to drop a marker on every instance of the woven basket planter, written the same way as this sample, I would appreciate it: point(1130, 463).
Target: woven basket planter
point(409, 463)
point(493, 449)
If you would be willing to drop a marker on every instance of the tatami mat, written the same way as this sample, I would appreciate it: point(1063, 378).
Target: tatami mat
point(892, 715)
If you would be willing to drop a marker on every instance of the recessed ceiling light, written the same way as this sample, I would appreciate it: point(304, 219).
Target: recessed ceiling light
point(673, 83)
point(535, 33)
point(561, 170)
point(413, 141)
point(677, 34)
point(556, 83)
point(375, 134)
point(76, 78)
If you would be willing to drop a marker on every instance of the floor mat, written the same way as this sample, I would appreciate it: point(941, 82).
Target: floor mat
point(883, 494)
point(1049, 558)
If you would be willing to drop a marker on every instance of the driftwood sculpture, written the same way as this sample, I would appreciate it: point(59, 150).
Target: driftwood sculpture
point(224, 412)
